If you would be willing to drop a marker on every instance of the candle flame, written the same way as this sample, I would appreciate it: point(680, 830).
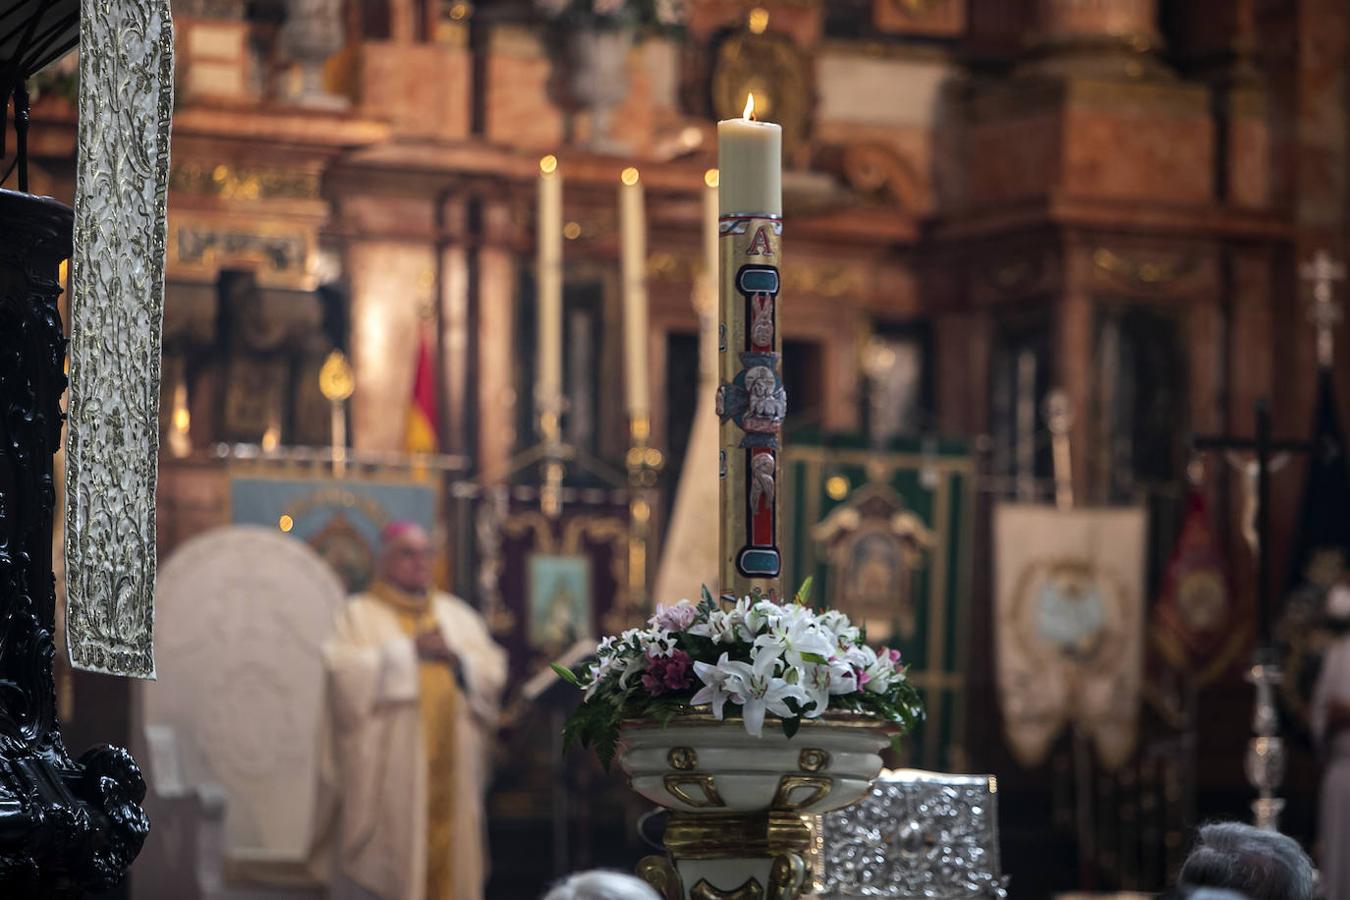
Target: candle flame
point(749, 112)
point(710, 178)
point(549, 164)
point(629, 176)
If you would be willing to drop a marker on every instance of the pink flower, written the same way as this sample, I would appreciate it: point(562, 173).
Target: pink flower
point(675, 618)
point(667, 673)
point(677, 670)
point(895, 656)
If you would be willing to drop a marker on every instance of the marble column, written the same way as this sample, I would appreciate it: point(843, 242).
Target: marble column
point(391, 280)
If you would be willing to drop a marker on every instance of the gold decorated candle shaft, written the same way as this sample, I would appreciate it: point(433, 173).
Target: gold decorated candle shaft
point(751, 401)
point(751, 404)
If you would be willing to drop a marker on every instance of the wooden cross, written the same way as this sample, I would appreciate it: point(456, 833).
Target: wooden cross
point(1324, 273)
point(1263, 446)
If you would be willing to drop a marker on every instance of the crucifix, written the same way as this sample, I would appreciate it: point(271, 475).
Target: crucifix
point(1324, 273)
point(1265, 750)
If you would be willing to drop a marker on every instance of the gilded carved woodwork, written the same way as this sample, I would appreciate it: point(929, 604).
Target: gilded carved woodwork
point(698, 791)
point(243, 183)
point(280, 254)
point(661, 874)
point(830, 281)
point(1152, 272)
point(800, 791)
point(682, 758)
point(751, 889)
point(813, 760)
point(780, 75)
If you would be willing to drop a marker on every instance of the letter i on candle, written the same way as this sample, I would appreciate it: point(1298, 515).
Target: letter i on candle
point(751, 401)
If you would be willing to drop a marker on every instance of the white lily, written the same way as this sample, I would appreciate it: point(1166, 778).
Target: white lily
point(714, 679)
point(790, 636)
point(656, 642)
point(720, 628)
point(633, 666)
point(759, 691)
point(846, 634)
point(821, 681)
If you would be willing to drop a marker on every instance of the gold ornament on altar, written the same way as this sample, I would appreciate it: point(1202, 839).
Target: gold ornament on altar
point(335, 378)
point(337, 384)
point(769, 68)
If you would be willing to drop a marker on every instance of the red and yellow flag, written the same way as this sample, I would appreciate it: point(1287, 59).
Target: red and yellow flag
point(423, 421)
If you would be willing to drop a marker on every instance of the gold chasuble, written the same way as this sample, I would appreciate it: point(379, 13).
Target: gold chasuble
point(406, 745)
point(439, 700)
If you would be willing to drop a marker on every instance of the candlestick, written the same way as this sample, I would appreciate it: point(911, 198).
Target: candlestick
point(705, 297)
point(180, 424)
point(633, 229)
point(336, 383)
point(549, 235)
point(751, 401)
point(1265, 759)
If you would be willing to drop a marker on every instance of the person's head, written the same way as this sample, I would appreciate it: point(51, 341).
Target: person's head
point(1253, 862)
point(601, 885)
point(405, 557)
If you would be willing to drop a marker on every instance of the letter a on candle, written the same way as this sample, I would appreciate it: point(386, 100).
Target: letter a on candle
point(759, 244)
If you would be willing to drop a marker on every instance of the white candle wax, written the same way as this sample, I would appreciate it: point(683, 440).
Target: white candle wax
point(707, 308)
point(549, 286)
point(750, 164)
point(633, 231)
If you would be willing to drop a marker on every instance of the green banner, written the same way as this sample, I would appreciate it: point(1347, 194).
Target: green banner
point(886, 537)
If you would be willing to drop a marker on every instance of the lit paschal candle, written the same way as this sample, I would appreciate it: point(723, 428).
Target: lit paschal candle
point(750, 165)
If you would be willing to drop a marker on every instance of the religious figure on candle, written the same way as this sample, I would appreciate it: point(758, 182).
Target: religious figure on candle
point(762, 469)
point(761, 327)
point(756, 401)
point(768, 399)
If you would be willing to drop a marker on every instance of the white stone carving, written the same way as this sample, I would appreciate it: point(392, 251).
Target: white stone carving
point(243, 612)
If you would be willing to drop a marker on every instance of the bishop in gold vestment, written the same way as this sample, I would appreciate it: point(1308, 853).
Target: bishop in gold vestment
point(414, 680)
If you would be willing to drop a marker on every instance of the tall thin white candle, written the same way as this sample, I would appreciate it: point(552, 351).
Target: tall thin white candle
point(633, 230)
point(707, 306)
point(549, 228)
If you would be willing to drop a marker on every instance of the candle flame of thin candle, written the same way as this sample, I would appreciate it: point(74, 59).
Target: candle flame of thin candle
point(549, 164)
point(749, 112)
point(629, 176)
point(710, 178)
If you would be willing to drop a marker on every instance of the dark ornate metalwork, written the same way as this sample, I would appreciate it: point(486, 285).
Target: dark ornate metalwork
point(66, 827)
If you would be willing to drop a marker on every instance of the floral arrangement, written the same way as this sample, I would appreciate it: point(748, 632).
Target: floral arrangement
point(661, 14)
point(754, 657)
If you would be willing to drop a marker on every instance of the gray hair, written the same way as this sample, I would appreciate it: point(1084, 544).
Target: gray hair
point(601, 885)
point(1259, 864)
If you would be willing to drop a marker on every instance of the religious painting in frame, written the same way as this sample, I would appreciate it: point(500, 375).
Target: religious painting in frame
point(885, 535)
point(559, 601)
point(340, 519)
